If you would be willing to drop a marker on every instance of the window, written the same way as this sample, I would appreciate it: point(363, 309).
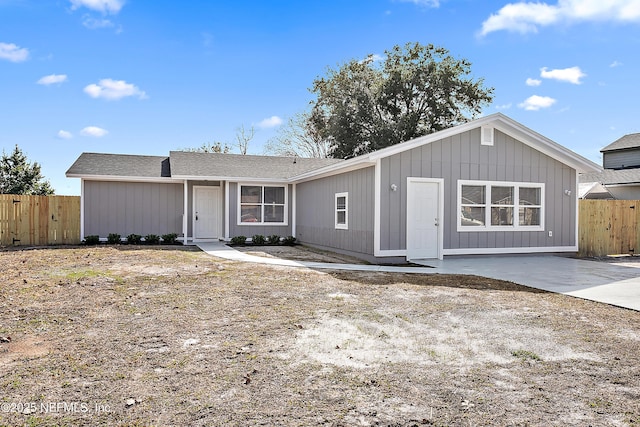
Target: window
point(262, 204)
point(342, 209)
point(500, 206)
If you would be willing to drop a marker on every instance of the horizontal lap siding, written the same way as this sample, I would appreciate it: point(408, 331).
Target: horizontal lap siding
point(316, 211)
point(132, 208)
point(251, 230)
point(463, 157)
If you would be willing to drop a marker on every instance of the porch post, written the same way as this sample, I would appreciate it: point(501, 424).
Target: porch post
point(185, 223)
point(226, 211)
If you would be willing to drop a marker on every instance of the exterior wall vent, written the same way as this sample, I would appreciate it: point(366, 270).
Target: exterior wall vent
point(487, 135)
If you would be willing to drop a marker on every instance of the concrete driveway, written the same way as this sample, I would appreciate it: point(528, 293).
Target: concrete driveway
point(612, 283)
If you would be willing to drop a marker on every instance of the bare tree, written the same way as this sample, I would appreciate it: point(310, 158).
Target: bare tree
point(243, 137)
point(298, 139)
point(209, 147)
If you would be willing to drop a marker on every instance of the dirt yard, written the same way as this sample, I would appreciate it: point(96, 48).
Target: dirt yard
point(136, 336)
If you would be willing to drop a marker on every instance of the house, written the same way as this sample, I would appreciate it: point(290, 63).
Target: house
point(489, 186)
point(620, 178)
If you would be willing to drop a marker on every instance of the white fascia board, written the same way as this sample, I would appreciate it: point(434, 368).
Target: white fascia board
point(123, 178)
point(355, 163)
point(545, 145)
point(507, 126)
point(231, 179)
point(432, 137)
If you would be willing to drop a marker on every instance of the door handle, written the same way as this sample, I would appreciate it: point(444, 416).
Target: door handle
point(196, 216)
point(437, 223)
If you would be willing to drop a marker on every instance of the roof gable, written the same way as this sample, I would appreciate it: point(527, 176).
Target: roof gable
point(507, 126)
point(498, 121)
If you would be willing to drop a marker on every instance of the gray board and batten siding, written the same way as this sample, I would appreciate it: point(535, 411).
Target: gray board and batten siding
point(316, 208)
point(132, 208)
point(462, 157)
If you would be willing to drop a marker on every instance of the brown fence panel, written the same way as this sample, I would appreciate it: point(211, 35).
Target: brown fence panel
point(39, 220)
point(608, 227)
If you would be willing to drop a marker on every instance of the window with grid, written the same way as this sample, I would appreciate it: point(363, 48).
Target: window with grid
point(494, 206)
point(342, 217)
point(262, 204)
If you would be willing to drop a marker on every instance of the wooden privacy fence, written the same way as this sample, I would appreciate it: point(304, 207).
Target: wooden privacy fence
point(39, 220)
point(609, 227)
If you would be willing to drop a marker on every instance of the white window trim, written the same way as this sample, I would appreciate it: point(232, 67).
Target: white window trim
point(344, 226)
point(516, 206)
point(262, 223)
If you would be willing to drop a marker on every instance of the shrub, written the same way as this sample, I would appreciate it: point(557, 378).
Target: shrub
point(273, 239)
point(169, 239)
point(238, 240)
point(91, 240)
point(152, 239)
point(258, 239)
point(134, 239)
point(113, 239)
point(289, 240)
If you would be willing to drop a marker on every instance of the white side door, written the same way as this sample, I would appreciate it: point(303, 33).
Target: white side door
point(424, 218)
point(207, 212)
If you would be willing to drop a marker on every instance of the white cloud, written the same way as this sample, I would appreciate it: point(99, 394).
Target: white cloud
point(63, 134)
point(427, 3)
point(113, 89)
point(570, 75)
point(94, 131)
point(527, 17)
point(13, 53)
point(533, 82)
point(615, 64)
point(104, 6)
point(270, 122)
point(535, 102)
point(95, 24)
point(52, 79)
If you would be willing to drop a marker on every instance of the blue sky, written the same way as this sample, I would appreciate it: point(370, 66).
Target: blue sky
point(143, 77)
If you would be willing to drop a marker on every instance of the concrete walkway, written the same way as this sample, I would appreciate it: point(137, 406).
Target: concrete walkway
point(597, 281)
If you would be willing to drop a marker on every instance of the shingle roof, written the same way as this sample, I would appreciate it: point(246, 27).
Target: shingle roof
point(194, 164)
point(611, 176)
point(628, 141)
point(122, 165)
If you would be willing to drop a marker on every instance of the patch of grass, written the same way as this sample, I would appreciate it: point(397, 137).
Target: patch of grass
point(526, 355)
point(599, 403)
point(83, 274)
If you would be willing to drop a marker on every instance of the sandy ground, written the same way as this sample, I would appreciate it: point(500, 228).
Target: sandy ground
point(136, 336)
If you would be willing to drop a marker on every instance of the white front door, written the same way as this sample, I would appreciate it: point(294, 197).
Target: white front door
point(207, 212)
point(424, 218)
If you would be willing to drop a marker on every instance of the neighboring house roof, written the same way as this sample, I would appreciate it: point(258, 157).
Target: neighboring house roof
point(224, 166)
point(120, 165)
point(626, 142)
point(593, 190)
point(613, 176)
